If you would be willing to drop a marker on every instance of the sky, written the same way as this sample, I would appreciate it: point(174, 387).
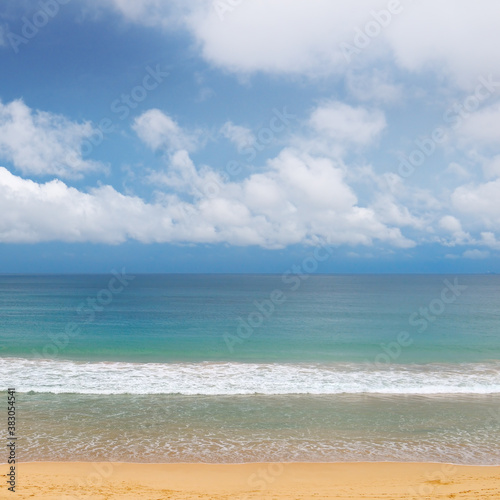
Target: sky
point(249, 136)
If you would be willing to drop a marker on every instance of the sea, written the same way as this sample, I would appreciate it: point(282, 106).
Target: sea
point(252, 368)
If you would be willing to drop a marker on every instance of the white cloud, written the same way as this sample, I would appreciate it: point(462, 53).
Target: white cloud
point(476, 219)
point(457, 170)
point(476, 254)
point(450, 224)
point(150, 12)
point(374, 87)
point(389, 211)
point(294, 37)
point(33, 212)
point(462, 44)
point(480, 128)
point(41, 143)
point(140, 9)
point(453, 228)
point(306, 37)
point(489, 239)
point(304, 195)
point(346, 124)
point(183, 176)
point(296, 198)
point(491, 167)
point(242, 137)
point(299, 199)
point(479, 204)
point(158, 131)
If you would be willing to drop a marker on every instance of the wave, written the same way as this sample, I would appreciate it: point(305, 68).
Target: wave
point(207, 378)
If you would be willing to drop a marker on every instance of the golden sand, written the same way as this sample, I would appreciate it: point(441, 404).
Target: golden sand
point(290, 481)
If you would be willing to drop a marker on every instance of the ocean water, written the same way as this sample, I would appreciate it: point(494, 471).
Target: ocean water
point(238, 368)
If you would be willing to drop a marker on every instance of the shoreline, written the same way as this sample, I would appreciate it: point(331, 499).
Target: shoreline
point(118, 462)
point(266, 480)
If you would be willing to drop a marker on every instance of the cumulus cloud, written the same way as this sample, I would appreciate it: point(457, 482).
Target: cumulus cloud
point(41, 143)
point(347, 124)
point(33, 212)
point(465, 49)
point(489, 239)
point(303, 195)
point(392, 212)
point(476, 216)
point(476, 254)
point(480, 128)
point(374, 87)
point(140, 10)
point(450, 224)
point(491, 167)
point(293, 37)
point(453, 230)
point(307, 37)
point(479, 204)
point(299, 199)
point(457, 170)
point(149, 12)
point(242, 137)
point(159, 131)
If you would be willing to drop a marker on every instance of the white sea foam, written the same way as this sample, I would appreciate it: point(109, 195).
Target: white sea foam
point(57, 376)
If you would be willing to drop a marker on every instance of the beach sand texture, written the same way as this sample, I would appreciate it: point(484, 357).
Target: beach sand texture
point(290, 481)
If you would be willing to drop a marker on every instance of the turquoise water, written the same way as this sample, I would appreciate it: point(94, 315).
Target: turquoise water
point(234, 368)
point(170, 318)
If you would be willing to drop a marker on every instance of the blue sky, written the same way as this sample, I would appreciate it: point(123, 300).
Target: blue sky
point(241, 136)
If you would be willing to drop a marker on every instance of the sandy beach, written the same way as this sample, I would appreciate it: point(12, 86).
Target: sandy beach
point(297, 481)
